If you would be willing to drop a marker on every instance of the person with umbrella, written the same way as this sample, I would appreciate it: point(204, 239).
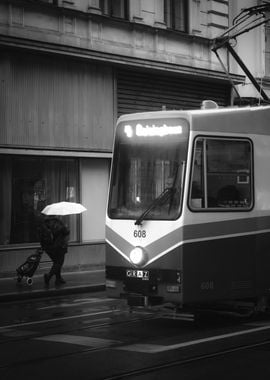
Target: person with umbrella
point(54, 236)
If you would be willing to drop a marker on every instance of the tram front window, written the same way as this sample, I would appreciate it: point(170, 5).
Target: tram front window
point(147, 169)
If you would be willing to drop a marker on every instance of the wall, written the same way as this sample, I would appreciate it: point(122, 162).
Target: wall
point(79, 257)
point(143, 41)
point(94, 188)
point(59, 103)
point(213, 17)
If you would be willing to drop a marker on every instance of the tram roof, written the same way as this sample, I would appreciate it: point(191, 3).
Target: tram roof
point(244, 120)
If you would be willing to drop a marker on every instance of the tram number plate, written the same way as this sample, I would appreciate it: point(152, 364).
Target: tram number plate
point(136, 273)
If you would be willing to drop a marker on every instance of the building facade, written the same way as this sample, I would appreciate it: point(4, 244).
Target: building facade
point(68, 69)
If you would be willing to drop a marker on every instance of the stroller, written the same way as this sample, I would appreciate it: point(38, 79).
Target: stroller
point(29, 267)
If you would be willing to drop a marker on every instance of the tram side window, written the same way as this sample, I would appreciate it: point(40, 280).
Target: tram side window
point(221, 174)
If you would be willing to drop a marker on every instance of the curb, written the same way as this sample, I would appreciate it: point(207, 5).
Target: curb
point(30, 294)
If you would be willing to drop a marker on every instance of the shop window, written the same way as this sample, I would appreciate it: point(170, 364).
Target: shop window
point(221, 174)
point(27, 185)
point(115, 8)
point(175, 14)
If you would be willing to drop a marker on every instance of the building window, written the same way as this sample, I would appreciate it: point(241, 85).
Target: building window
point(115, 8)
point(27, 185)
point(221, 175)
point(175, 14)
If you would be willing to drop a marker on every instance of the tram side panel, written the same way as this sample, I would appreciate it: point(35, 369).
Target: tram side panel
point(262, 264)
point(235, 262)
point(219, 269)
point(262, 211)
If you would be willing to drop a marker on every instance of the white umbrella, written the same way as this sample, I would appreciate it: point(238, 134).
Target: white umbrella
point(63, 208)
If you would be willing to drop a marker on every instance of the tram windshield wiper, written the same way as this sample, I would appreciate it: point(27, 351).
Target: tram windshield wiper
point(166, 194)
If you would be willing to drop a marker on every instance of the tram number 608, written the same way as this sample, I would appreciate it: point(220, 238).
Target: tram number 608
point(139, 233)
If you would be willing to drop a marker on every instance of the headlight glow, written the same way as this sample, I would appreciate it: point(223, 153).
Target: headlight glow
point(138, 256)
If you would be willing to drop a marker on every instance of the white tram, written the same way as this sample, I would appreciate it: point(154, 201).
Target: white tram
point(188, 217)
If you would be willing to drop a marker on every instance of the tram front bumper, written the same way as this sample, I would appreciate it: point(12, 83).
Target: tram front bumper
point(141, 287)
point(141, 300)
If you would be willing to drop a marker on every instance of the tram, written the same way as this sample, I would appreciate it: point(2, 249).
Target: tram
point(188, 215)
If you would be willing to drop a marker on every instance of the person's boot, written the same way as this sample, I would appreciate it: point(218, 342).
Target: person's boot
point(59, 281)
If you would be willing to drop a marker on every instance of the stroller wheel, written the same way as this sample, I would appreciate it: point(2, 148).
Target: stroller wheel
point(29, 281)
point(19, 279)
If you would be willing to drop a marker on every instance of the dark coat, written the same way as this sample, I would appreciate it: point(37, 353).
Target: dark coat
point(54, 236)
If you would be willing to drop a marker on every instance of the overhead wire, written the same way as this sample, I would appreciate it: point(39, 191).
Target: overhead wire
point(242, 24)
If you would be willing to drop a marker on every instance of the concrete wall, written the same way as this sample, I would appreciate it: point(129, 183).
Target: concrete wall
point(76, 28)
point(58, 103)
point(79, 257)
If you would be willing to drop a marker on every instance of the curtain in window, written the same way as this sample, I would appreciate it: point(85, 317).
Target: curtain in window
point(175, 14)
point(114, 8)
point(62, 185)
point(28, 184)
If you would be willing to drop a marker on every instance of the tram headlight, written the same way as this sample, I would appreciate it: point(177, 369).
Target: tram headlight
point(138, 256)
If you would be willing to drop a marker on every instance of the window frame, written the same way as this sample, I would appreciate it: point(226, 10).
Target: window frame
point(204, 174)
point(172, 16)
point(16, 212)
point(106, 7)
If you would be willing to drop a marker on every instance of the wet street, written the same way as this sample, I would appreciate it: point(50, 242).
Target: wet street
point(89, 336)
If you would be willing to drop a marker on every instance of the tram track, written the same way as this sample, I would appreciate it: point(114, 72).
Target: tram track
point(71, 330)
point(141, 371)
point(181, 362)
point(115, 346)
point(81, 351)
point(117, 318)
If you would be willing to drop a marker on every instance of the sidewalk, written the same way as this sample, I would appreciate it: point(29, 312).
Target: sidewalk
point(76, 282)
